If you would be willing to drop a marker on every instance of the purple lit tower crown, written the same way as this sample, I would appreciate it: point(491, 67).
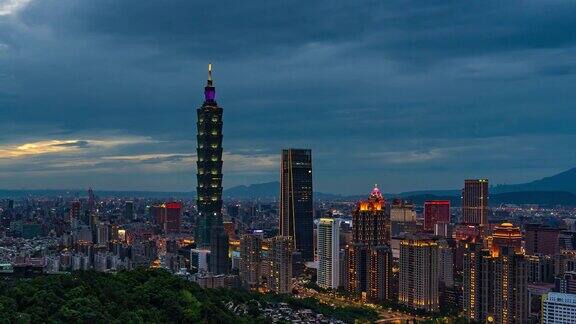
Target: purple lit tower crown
point(209, 90)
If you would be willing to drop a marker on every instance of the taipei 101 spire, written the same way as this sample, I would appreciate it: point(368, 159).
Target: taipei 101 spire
point(209, 163)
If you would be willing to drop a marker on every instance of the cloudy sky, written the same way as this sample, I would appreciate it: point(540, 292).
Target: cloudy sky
point(407, 94)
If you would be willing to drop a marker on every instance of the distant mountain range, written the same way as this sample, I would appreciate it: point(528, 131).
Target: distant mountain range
point(559, 189)
point(564, 181)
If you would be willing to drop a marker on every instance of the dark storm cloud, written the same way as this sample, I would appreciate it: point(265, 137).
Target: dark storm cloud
point(421, 93)
point(228, 30)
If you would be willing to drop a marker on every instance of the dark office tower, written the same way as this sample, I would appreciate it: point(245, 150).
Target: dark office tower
point(75, 211)
point(129, 210)
point(91, 200)
point(209, 155)
point(296, 207)
point(475, 202)
point(436, 212)
point(219, 259)
point(173, 216)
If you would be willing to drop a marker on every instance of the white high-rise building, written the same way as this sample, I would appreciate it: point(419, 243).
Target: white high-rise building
point(328, 246)
point(558, 308)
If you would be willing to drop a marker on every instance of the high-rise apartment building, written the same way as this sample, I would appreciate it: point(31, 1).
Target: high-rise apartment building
point(280, 259)
point(369, 257)
point(296, 204)
point(566, 282)
point(379, 273)
point(510, 287)
point(475, 202)
point(402, 211)
point(478, 293)
point(436, 212)
point(541, 239)
point(445, 263)
point(418, 284)
point(251, 259)
point(495, 285)
point(209, 164)
point(328, 247)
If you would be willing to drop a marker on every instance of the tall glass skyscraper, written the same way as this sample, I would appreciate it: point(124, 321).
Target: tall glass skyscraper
point(210, 231)
point(209, 163)
point(296, 205)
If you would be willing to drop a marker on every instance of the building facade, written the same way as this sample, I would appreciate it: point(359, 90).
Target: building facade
point(209, 164)
point(296, 201)
point(210, 230)
point(495, 286)
point(506, 235)
point(251, 259)
point(280, 259)
point(558, 308)
point(436, 212)
point(328, 247)
point(369, 257)
point(418, 284)
point(475, 202)
point(402, 211)
point(173, 217)
point(541, 239)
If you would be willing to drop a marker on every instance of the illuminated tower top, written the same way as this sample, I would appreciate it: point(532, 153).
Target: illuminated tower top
point(371, 221)
point(209, 90)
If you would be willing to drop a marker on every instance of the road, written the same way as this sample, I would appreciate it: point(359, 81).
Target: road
point(385, 315)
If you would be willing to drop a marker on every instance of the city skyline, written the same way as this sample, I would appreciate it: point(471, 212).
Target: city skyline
point(89, 102)
point(243, 206)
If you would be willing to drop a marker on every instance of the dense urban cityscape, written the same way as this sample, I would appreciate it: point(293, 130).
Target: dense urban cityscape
point(328, 161)
point(401, 261)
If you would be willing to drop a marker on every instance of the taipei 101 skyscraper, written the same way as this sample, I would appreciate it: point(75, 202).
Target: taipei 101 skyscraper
point(210, 230)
